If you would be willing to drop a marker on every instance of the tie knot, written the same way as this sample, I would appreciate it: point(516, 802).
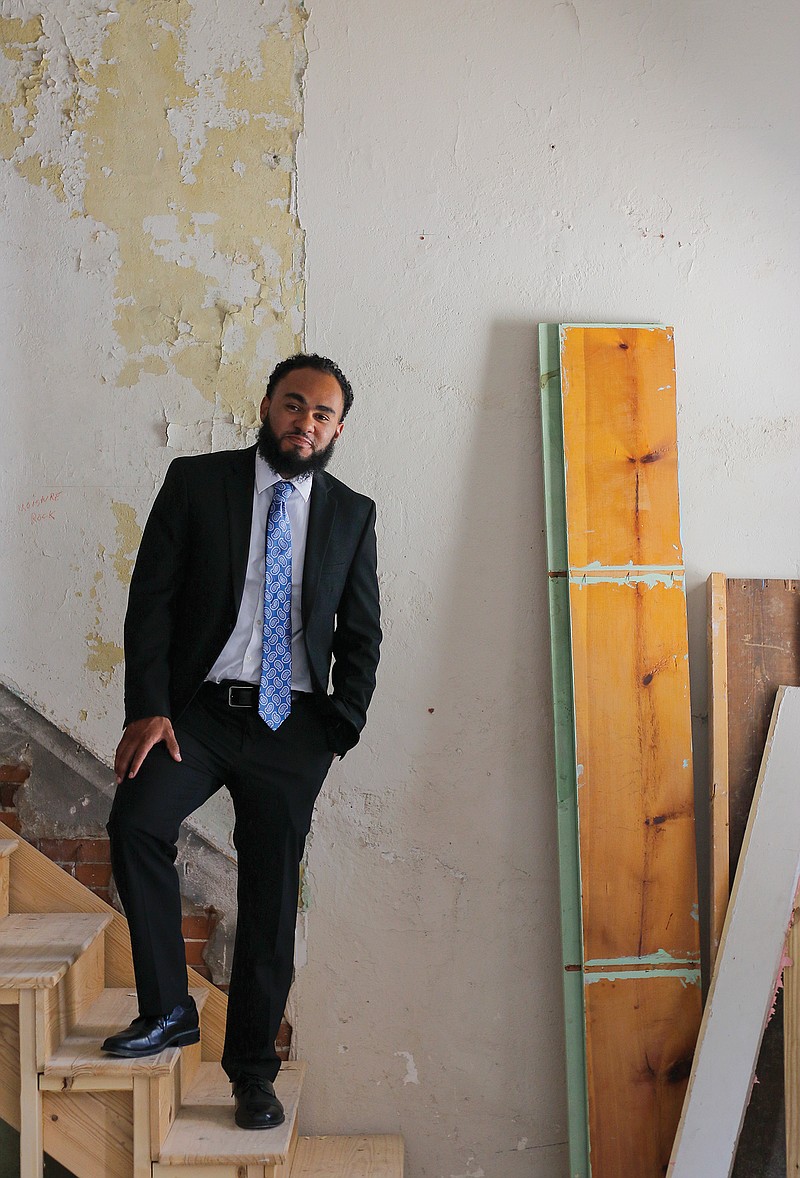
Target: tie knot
point(283, 490)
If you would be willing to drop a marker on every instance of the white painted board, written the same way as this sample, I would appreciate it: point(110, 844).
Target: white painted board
point(749, 960)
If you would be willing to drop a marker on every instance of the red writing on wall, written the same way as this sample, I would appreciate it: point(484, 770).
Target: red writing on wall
point(40, 507)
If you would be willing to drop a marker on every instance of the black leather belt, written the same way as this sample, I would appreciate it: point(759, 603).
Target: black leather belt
point(243, 695)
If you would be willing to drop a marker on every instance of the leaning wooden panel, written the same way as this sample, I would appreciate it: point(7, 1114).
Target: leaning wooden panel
point(749, 961)
point(632, 713)
point(719, 823)
point(642, 1026)
point(634, 753)
point(620, 445)
point(763, 652)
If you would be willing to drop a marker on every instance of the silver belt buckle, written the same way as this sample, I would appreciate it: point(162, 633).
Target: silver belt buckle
point(233, 704)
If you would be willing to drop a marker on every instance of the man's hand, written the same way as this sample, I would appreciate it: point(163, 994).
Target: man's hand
point(137, 740)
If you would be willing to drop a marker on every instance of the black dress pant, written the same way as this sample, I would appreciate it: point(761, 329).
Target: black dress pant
point(274, 779)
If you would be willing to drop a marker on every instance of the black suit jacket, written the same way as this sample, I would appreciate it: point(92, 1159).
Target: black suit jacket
point(189, 578)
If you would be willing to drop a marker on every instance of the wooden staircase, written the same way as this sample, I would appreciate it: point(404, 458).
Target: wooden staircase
point(66, 981)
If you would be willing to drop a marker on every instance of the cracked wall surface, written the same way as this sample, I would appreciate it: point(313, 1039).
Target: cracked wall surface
point(156, 264)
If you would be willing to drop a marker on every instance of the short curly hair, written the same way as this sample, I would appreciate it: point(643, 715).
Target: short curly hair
point(319, 364)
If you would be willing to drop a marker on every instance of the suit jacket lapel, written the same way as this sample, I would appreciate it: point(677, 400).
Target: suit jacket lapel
point(321, 514)
point(239, 482)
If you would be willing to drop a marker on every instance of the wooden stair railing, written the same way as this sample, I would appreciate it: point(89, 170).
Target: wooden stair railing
point(66, 981)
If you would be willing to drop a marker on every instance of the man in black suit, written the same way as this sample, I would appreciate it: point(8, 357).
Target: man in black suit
point(227, 682)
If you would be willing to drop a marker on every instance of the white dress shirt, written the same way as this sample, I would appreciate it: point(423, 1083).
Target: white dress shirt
point(240, 657)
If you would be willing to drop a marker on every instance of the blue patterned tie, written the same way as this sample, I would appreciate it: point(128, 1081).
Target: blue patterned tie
point(275, 689)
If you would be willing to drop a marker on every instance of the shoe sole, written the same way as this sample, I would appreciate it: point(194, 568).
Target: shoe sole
point(184, 1039)
point(274, 1124)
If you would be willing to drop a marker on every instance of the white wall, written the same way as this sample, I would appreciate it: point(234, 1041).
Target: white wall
point(466, 171)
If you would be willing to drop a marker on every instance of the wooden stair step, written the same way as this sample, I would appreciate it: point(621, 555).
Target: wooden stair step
point(37, 948)
point(369, 1156)
point(205, 1134)
point(79, 1056)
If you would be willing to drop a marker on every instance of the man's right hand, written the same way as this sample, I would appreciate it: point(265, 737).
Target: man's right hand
point(137, 740)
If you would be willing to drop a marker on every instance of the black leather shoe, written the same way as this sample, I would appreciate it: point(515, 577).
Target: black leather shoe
point(257, 1106)
point(148, 1036)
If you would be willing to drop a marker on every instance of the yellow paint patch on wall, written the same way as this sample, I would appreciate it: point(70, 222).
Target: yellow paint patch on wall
point(194, 173)
point(129, 536)
point(103, 656)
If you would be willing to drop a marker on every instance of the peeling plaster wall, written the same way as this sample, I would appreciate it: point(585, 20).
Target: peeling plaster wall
point(465, 171)
point(153, 258)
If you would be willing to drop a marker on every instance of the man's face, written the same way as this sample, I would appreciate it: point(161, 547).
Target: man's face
point(303, 415)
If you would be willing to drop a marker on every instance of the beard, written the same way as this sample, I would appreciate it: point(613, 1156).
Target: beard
point(289, 464)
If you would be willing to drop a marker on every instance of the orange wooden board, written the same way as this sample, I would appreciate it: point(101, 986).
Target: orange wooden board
point(629, 648)
point(642, 1029)
point(618, 393)
point(635, 791)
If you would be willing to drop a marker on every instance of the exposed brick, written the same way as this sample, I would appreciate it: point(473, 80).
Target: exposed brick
point(11, 820)
point(94, 875)
point(203, 970)
point(197, 926)
point(194, 952)
point(60, 850)
point(15, 773)
point(284, 1039)
point(94, 851)
point(8, 791)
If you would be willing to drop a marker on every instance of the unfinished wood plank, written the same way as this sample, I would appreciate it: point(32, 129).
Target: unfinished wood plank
point(204, 1132)
point(763, 624)
point(90, 1133)
point(65, 1003)
point(640, 1024)
point(7, 848)
point(9, 1065)
point(749, 960)
point(565, 760)
point(79, 1056)
point(37, 949)
point(618, 391)
point(31, 1153)
point(791, 1038)
point(141, 1127)
point(719, 833)
point(632, 717)
point(371, 1156)
point(635, 789)
point(39, 885)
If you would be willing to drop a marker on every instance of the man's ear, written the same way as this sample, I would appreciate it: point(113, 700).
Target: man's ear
point(338, 430)
point(263, 408)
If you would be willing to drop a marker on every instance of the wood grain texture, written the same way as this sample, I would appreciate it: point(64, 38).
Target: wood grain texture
point(618, 391)
point(9, 1065)
point(791, 1062)
point(375, 1156)
point(719, 821)
point(36, 950)
point(762, 623)
point(635, 790)
point(31, 1155)
point(633, 749)
point(749, 961)
point(642, 1028)
point(90, 1133)
point(39, 885)
point(204, 1131)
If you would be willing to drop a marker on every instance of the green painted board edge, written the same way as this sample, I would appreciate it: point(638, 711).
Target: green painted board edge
point(565, 758)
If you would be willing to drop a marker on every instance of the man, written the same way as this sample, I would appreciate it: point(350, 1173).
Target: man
point(256, 571)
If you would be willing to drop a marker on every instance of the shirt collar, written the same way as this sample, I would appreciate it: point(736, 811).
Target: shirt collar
point(267, 477)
